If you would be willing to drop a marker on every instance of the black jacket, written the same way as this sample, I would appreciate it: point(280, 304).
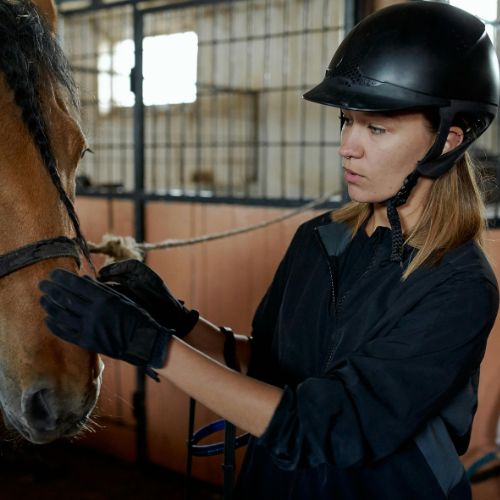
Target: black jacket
point(380, 381)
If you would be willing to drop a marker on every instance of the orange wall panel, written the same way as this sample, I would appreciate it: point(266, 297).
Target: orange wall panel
point(223, 279)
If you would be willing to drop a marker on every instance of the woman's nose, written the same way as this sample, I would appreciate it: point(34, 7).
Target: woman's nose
point(350, 145)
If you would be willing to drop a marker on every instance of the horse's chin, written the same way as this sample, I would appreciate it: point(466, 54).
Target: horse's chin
point(41, 417)
point(35, 436)
point(63, 430)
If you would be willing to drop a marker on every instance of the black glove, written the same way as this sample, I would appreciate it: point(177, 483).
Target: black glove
point(99, 319)
point(141, 284)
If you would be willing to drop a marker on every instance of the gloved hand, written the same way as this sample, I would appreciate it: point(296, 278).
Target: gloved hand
point(141, 284)
point(95, 317)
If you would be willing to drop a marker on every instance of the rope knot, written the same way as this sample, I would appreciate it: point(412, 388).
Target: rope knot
point(118, 248)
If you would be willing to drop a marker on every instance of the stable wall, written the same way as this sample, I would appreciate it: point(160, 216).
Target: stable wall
point(225, 280)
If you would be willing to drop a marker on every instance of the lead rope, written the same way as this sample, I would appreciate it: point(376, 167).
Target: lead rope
point(126, 247)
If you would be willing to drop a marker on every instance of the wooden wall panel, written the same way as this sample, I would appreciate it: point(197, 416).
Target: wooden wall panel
point(114, 430)
point(225, 280)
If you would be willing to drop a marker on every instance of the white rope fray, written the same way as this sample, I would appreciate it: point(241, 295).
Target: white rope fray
point(125, 247)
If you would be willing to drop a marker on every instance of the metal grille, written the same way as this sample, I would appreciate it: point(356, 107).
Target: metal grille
point(249, 136)
point(86, 38)
point(487, 152)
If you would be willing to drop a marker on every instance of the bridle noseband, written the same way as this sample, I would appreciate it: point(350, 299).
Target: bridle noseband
point(27, 255)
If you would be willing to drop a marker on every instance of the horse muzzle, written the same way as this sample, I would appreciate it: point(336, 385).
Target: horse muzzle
point(46, 416)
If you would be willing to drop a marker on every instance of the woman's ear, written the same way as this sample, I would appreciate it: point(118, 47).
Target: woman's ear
point(454, 139)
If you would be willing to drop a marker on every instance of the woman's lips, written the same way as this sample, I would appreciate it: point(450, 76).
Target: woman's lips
point(351, 176)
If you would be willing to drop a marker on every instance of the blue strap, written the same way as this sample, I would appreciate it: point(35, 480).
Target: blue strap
point(206, 450)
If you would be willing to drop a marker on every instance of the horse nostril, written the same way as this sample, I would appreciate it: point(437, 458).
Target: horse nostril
point(38, 412)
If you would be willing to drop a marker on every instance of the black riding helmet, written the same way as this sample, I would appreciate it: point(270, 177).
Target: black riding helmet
point(412, 56)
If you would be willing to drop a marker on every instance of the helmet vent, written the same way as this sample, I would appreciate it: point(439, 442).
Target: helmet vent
point(349, 75)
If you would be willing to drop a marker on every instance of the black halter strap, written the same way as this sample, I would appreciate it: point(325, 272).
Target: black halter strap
point(35, 252)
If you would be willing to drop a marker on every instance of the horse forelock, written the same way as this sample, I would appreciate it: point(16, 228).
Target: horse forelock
point(30, 51)
point(30, 56)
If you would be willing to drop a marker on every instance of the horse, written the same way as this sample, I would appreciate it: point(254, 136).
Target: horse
point(48, 388)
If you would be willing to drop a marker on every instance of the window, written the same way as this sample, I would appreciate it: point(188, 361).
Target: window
point(169, 66)
point(484, 9)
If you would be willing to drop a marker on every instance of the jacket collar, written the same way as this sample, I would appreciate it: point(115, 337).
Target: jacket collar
point(335, 237)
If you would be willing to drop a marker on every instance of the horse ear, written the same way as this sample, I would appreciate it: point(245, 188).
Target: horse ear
point(48, 10)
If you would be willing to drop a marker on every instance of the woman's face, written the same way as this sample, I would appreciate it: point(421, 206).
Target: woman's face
point(380, 150)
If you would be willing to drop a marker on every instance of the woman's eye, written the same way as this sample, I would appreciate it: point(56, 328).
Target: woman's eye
point(344, 120)
point(376, 130)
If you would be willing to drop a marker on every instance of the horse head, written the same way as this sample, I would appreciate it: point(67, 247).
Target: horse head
point(47, 387)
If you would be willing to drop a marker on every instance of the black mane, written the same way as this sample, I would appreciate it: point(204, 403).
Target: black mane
point(30, 57)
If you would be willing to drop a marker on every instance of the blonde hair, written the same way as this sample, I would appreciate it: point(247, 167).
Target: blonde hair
point(454, 213)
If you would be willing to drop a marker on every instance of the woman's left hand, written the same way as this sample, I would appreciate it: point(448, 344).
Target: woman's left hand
point(95, 317)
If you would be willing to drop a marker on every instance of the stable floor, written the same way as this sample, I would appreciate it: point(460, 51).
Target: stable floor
point(64, 471)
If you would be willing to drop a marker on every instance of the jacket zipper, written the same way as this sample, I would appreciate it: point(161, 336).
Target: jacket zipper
point(335, 307)
point(330, 270)
point(334, 343)
point(370, 266)
point(332, 288)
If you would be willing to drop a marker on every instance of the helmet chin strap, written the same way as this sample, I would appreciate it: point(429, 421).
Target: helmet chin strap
point(433, 165)
point(393, 203)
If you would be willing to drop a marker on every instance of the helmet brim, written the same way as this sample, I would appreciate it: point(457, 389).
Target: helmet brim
point(377, 97)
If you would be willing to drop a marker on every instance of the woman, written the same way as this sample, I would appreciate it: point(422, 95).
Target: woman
point(364, 359)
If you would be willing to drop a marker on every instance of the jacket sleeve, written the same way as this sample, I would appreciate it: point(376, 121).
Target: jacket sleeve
point(378, 397)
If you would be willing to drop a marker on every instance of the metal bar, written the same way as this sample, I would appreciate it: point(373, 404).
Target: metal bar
point(171, 163)
point(229, 459)
point(189, 4)
point(140, 393)
point(255, 202)
point(94, 8)
point(322, 124)
point(281, 34)
point(214, 90)
point(189, 458)
point(138, 121)
point(350, 16)
point(230, 112)
point(263, 119)
point(110, 145)
point(152, 160)
point(284, 100)
point(214, 108)
point(250, 127)
point(184, 134)
point(198, 134)
point(303, 110)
